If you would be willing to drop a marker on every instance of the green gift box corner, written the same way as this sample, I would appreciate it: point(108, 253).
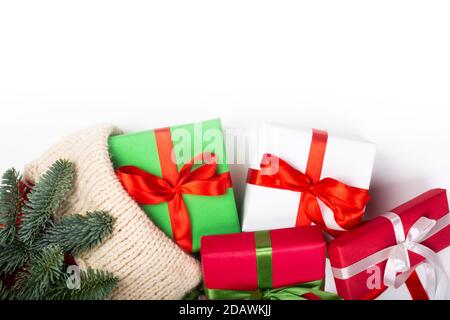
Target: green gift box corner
point(209, 215)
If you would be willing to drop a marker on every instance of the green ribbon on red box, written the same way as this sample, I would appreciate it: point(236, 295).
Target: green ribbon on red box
point(303, 291)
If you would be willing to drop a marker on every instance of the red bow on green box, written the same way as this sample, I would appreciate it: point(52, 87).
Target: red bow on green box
point(148, 189)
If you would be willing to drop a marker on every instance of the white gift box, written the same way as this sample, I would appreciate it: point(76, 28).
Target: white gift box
point(348, 161)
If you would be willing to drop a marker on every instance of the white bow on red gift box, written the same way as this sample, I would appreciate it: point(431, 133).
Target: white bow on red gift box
point(405, 246)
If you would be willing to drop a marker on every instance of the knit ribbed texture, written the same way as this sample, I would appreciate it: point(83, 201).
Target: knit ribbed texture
point(148, 264)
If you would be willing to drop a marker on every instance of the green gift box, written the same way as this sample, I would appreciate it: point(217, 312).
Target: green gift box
point(180, 177)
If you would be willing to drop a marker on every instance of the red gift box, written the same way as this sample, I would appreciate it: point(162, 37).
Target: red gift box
point(230, 263)
point(380, 237)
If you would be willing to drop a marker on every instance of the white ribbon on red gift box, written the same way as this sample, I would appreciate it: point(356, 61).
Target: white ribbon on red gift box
point(398, 266)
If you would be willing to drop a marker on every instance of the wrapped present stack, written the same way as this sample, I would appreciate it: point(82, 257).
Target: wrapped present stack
point(305, 198)
point(301, 234)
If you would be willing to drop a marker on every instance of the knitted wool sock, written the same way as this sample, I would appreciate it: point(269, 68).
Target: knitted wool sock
point(148, 264)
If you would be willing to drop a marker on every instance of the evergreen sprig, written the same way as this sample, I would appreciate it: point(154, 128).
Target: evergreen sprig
point(77, 234)
point(12, 257)
point(45, 270)
point(94, 285)
point(46, 198)
point(11, 199)
point(33, 249)
point(4, 292)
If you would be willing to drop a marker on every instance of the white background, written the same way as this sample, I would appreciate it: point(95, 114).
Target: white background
point(376, 70)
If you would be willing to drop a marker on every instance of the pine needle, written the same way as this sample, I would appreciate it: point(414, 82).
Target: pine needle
point(45, 269)
point(12, 257)
point(11, 200)
point(5, 294)
point(45, 199)
point(34, 249)
point(77, 234)
point(94, 285)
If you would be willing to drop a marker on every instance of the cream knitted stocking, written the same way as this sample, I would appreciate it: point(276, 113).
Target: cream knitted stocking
point(148, 264)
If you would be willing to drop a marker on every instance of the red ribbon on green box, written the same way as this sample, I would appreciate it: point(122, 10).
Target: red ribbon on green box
point(303, 291)
point(149, 189)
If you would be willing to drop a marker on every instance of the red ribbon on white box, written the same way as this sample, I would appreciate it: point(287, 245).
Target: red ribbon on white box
point(398, 267)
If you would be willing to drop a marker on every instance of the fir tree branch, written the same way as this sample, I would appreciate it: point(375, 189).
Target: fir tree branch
point(94, 285)
point(11, 200)
point(5, 294)
point(45, 199)
point(76, 234)
point(12, 257)
point(34, 252)
point(44, 271)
